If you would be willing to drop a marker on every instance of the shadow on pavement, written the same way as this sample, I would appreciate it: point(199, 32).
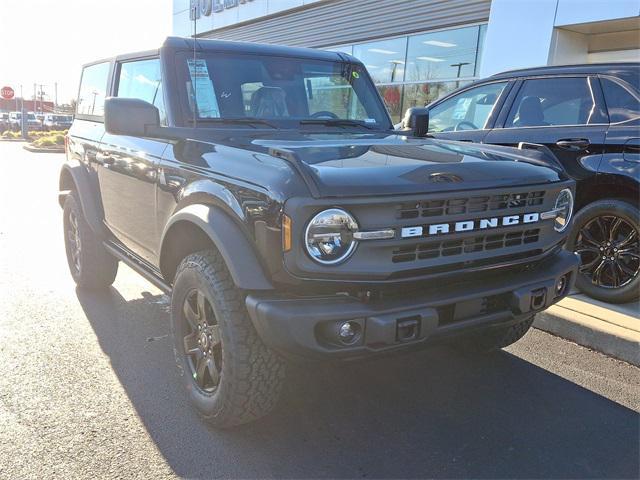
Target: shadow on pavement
point(430, 414)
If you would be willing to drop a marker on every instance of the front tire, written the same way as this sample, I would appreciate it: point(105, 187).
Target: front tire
point(90, 264)
point(606, 235)
point(231, 376)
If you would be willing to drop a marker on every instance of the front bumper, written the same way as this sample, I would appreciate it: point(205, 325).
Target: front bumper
point(307, 326)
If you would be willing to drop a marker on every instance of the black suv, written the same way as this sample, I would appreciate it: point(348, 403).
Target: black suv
point(264, 189)
point(589, 116)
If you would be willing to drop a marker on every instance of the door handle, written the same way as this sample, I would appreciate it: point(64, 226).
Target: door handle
point(104, 158)
point(574, 144)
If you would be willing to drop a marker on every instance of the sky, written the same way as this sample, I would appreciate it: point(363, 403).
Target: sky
point(47, 41)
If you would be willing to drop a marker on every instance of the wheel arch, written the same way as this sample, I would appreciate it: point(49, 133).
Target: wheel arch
point(75, 178)
point(604, 187)
point(199, 227)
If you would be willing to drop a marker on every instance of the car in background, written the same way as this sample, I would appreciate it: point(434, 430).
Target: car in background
point(54, 121)
point(4, 121)
point(589, 117)
point(15, 119)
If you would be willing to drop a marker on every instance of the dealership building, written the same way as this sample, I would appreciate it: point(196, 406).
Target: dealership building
point(418, 50)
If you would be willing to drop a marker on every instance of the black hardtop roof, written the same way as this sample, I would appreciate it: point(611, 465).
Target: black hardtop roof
point(211, 45)
point(610, 68)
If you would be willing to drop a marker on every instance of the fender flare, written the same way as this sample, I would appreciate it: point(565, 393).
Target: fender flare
point(75, 177)
point(240, 257)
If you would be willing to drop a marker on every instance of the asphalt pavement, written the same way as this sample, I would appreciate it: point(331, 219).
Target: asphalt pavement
point(89, 387)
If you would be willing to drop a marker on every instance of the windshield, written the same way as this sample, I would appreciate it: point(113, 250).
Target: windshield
point(285, 92)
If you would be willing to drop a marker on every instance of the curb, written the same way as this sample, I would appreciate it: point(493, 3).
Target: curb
point(29, 148)
point(609, 329)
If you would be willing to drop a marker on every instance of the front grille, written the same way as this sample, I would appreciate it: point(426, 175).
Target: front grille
point(464, 205)
point(448, 248)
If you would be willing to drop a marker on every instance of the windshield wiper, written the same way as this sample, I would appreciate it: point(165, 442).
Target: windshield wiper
point(251, 121)
point(338, 122)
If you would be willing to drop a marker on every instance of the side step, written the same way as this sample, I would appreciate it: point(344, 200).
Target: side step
point(138, 265)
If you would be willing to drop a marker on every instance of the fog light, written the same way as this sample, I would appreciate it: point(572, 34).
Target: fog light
point(348, 332)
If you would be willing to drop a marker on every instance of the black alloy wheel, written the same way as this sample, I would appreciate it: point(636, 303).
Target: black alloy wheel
point(74, 242)
point(609, 249)
point(202, 341)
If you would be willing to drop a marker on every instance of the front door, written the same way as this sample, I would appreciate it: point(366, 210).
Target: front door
point(128, 165)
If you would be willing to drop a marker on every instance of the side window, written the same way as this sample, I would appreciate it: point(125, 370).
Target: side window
point(468, 110)
point(142, 79)
point(621, 104)
point(553, 101)
point(93, 90)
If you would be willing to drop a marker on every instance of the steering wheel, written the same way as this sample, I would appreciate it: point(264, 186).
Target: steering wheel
point(464, 122)
point(324, 114)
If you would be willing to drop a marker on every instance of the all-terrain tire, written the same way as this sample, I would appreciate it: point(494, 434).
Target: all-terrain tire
point(605, 208)
point(494, 339)
point(250, 375)
point(90, 264)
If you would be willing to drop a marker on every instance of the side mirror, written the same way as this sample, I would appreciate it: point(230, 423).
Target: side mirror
point(417, 120)
point(129, 116)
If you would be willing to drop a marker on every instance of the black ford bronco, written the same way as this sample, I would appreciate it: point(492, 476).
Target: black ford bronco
point(265, 190)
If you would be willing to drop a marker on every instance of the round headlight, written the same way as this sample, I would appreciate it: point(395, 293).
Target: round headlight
point(564, 210)
point(329, 236)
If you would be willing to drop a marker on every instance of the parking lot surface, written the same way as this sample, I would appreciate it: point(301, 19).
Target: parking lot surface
point(89, 387)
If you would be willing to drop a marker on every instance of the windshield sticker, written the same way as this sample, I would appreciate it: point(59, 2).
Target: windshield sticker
point(355, 74)
point(202, 85)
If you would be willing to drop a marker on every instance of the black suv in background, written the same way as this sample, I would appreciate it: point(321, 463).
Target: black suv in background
point(265, 189)
point(589, 116)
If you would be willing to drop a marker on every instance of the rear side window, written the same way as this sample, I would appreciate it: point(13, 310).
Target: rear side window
point(93, 90)
point(554, 101)
point(621, 104)
point(142, 79)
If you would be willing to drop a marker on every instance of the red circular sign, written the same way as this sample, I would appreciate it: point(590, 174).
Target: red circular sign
point(7, 92)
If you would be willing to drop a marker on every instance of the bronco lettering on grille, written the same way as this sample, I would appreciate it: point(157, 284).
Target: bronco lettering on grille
point(469, 225)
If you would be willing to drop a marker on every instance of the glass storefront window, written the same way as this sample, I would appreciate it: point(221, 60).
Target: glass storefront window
point(392, 98)
point(445, 54)
point(384, 60)
point(409, 70)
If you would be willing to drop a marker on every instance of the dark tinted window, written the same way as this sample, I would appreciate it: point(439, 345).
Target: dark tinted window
point(93, 89)
point(143, 80)
point(622, 105)
point(554, 101)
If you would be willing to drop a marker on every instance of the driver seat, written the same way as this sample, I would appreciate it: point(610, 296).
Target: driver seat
point(269, 102)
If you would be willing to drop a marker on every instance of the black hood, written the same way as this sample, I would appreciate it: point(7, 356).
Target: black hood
point(341, 165)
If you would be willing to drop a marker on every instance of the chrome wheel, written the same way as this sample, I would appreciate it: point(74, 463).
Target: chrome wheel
point(609, 248)
point(202, 341)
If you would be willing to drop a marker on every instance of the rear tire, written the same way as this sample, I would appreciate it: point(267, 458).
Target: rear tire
point(90, 264)
point(231, 376)
point(592, 232)
point(494, 339)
